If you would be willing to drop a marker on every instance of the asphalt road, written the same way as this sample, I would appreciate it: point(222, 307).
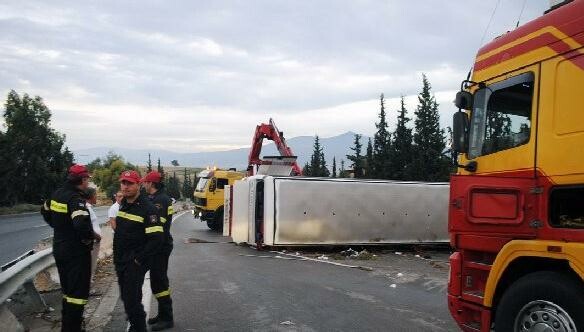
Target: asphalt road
point(216, 287)
point(21, 233)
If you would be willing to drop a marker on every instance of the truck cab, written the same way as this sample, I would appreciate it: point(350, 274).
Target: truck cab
point(516, 216)
point(209, 195)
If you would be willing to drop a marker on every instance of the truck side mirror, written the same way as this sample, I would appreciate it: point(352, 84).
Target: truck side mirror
point(213, 185)
point(463, 100)
point(460, 132)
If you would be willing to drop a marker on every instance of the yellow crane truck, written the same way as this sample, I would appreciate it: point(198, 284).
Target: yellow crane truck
point(209, 195)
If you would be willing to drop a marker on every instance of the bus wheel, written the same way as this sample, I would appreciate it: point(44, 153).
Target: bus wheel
point(542, 301)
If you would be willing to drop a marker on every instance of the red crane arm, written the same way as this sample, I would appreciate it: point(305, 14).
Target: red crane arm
point(271, 132)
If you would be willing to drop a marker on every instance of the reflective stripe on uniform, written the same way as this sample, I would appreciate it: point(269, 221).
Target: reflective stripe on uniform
point(79, 213)
point(73, 300)
point(170, 210)
point(154, 229)
point(46, 207)
point(162, 220)
point(129, 216)
point(163, 293)
point(58, 207)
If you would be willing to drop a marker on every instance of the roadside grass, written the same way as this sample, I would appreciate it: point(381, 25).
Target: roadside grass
point(19, 208)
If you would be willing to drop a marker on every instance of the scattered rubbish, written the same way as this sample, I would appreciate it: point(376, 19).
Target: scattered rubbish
point(287, 323)
point(51, 309)
point(323, 257)
point(349, 252)
point(399, 253)
point(353, 254)
point(297, 253)
point(8, 300)
point(399, 275)
point(418, 256)
point(393, 285)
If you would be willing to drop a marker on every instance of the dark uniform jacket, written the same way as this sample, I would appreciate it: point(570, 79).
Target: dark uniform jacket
point(139, 233)
point(165, 210)
point(67, 214)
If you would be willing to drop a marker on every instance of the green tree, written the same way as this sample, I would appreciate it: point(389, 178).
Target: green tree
point(357, 158)
point(30, 151)
point(334, 174)
point(429, 163)
point(106, 172)
point(317, 165)
point(342, 170)
point(187, 186)
point(381, 145)
point(173, 188)
point(174, 163)
point(149, 165)
point(369, 160)
point(159, 168)
point(401, 152)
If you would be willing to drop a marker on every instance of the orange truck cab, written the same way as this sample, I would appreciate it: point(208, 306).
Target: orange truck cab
point(516, 215)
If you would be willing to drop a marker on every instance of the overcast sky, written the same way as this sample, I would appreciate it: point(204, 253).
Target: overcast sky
point(199, 75)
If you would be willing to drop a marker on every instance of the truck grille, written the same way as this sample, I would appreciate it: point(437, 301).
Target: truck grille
point(200, 201)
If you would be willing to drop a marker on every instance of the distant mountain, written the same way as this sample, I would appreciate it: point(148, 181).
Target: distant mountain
point(338, 146)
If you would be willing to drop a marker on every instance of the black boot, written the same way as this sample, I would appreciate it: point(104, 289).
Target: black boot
point(162, 325)
point(164, 319)
point(153, 320)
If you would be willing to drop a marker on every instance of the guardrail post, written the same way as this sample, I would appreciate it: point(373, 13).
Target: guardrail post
point(36, 301)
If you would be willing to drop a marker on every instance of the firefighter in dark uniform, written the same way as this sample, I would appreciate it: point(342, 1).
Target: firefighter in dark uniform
point(67, 214)
point(158, 271)
point(138, 238)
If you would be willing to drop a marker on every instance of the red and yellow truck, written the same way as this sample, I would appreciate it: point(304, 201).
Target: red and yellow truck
point(516, 216)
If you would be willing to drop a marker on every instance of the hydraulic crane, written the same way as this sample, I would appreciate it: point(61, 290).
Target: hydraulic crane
point(269, 131)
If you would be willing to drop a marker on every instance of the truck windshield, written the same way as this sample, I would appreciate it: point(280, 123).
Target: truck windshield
point(501, 117)
point(202, 184)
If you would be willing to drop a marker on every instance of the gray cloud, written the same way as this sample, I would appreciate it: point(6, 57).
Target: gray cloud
point(189, 60)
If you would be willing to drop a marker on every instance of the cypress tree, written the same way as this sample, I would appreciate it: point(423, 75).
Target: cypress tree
point(317, 164)
point(381, 145)
point(428, 164)
point(357, 158)
point(402, 145)
point(149, 165)
point(334, 175)
point(342, 170)
point(369, 161)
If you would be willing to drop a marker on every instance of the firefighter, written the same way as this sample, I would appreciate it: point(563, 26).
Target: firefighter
point(158, 271)
point(138, 238)
point(67, 214)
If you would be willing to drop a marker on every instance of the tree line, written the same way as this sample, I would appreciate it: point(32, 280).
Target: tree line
point(34, 158)
point(408, 153)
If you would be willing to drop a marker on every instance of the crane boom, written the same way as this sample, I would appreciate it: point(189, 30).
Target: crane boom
point(269, 131)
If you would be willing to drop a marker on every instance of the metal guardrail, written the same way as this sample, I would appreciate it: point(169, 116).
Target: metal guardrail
point(16, 260)
point(22, 272)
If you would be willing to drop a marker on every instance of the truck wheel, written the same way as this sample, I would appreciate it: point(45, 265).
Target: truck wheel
point(542, 301)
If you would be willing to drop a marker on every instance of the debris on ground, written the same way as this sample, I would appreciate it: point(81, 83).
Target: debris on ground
point(287, 323)
point(398, 253)
point(323, 258)
point(393, 285)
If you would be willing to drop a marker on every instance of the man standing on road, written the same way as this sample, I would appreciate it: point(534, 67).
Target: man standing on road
point(112, 213)
point(91, 198)
point(159, 269)
point(67, 214)
point(138, 238)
